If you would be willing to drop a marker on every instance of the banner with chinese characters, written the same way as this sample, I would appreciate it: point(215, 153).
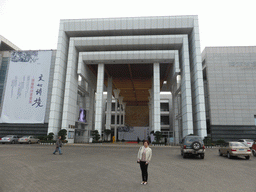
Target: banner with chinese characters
point(26, 87)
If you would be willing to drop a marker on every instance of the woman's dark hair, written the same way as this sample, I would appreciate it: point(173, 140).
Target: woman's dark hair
point(145, 141)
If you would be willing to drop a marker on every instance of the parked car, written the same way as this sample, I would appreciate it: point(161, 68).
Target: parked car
point(28, 139)
point(238, 149)
point(254, 148)
point(192, 145)
point(9, 139)
point(248, 142)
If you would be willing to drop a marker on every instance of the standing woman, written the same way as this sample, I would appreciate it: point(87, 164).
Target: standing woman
point(144, 157)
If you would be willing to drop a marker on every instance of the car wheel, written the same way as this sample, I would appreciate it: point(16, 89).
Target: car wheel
point(29, 142)
point(196, 145)
point(184, 155)
point(247, 157)
point(254, 153)
point(220, 154)
point(13, 142)
point(229, 156)
point(202, 156)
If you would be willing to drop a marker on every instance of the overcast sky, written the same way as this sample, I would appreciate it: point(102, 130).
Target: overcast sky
point(34, 24)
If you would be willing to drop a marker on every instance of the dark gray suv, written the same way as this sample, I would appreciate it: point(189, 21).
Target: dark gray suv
point(192, 145)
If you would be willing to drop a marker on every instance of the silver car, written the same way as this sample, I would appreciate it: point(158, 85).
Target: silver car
point(28, 139)
point(9, 139)
point(237, 149)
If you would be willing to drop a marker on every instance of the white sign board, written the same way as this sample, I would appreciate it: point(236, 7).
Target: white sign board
point(26, 87)
point(133, 133)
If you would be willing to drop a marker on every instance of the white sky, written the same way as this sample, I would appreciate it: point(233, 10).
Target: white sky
point(34, 24)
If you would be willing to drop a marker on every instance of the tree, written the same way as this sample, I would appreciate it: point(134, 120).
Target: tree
point(62, 133)
point(158, 136)
point(50, 136)
point(95, 135)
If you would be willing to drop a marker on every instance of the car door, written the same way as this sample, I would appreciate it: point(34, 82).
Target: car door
point(224, 148)
point(33, 140)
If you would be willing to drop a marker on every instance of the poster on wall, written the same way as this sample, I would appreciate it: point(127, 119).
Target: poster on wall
point(26, 87)
point(82, 115)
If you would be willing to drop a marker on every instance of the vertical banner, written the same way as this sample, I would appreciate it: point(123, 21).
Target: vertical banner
point(26, 87)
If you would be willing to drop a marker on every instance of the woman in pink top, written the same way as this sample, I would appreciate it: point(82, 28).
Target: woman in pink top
point(144, 157)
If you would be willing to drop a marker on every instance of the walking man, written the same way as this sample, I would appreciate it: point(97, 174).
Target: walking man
point(58, 146)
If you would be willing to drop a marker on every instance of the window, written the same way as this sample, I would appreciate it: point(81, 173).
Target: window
point(112, 119)
point(164, 120)
point(164, 106)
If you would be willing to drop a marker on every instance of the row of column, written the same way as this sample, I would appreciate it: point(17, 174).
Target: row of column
point(154, 102)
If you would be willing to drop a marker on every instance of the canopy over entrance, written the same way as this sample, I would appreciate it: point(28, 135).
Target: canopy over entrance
point(133, 80)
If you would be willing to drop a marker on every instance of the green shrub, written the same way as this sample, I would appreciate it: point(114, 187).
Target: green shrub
point(220, 142)
point(42, 138)
point(95, 135)
point(158, 143)
point(50, 136)
point(158, 136)
point(62, 133)
point(48, 141)
point(208, 141)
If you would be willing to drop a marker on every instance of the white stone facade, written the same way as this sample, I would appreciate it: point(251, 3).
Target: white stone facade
point(230, 83)
point(156, 40)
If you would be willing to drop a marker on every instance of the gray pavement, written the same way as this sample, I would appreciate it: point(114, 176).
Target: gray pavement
point(111, 167)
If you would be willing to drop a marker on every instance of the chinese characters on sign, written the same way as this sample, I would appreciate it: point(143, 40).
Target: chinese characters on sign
point(37, 101)
point(26, 88)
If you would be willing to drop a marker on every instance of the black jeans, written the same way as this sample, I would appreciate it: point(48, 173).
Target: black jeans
point(144, 170)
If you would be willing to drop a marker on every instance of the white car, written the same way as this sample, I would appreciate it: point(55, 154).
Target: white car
point(28, 139)
point(247, 142)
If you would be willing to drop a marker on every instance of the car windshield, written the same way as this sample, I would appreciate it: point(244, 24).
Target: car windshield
point(8, 136)
point(190, 140)
point(237, 144)
point(249, 140)
point(25, 137)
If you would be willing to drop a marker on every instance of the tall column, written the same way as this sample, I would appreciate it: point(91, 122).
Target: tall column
point(99, 97)
point(58, 86)
point(151, 99)
point(186, 98)
point(175, 114)
point(150, 113)
point(156, 93)
point(120, 109)
point(116, 93)
point(109, 103)
point(197, 84)
point(70, 111)
point(124, 107)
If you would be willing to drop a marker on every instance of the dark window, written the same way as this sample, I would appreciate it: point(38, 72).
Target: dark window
point(164, 120)
point(112, 119)
point(164, 106)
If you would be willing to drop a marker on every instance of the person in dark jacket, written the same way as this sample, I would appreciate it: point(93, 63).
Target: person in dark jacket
point(58, 146)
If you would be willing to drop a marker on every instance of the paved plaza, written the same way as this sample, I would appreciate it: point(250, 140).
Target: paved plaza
point(114, 168)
